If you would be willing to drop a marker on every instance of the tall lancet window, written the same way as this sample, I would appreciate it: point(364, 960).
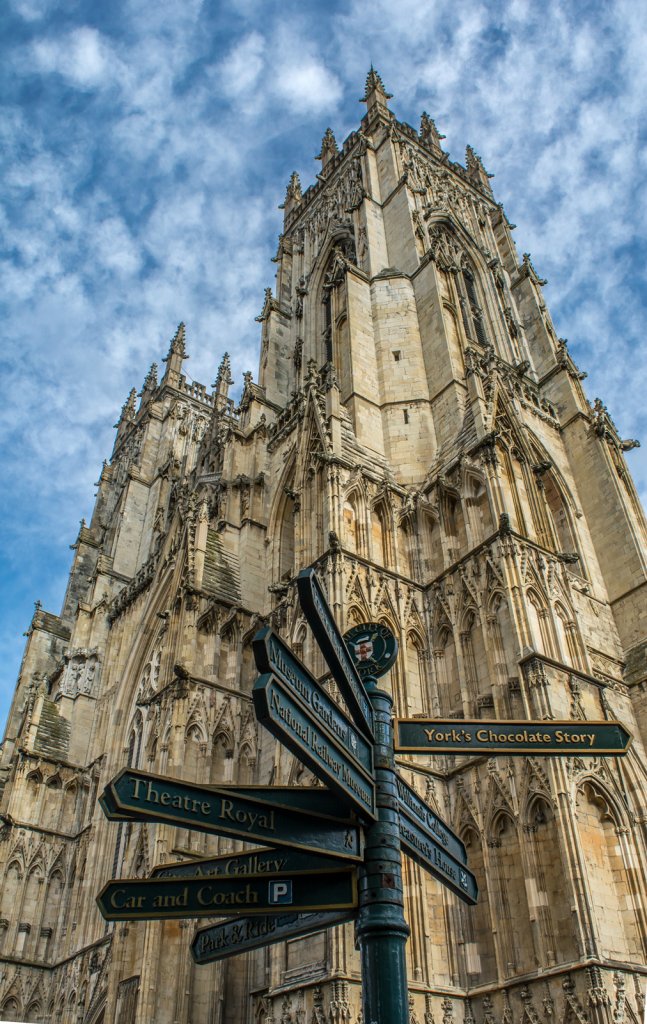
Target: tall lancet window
point(335, 349)
point(471, 306)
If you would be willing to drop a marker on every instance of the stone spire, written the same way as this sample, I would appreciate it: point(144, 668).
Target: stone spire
point(176, 354)
point(293, 195)
point(150, 384)
point(476, 170)
point(223, 382)
point(129, 408)
point(127, 415)
point(329, 149)
point(429, 134)
point(375, 96)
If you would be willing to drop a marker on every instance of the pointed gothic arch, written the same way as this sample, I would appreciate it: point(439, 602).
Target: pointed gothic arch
point(610, 865)
point(11, 887)
point(328, 285)
point(352, 517)
point(508, 888)
point(221, 758)
point(478, 510)
point(474, 657)
point(52, 913)
point(380, 537)
point(283, 523)
point(467, 295)
point(446, 670)
point(538, 619)
point(477, 924)
point(549, 890)
point(416, 681)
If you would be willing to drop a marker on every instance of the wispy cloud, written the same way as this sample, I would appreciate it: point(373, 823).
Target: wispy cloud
point(146, 150)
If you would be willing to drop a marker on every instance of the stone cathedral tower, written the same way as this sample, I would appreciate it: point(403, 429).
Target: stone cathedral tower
point(419, 433)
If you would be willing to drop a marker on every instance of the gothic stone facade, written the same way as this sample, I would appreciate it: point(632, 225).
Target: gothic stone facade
point(420, 435)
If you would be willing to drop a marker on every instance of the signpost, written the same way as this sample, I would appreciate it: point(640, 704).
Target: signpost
point(415, 810)
point(418, 845)
point(233, 937)
point(147, 899)
point(222, 812)
point(272, 655)
point(510, 738)
point(290, 722)
point(333, 646)
point(254, 862)
point(317, 867)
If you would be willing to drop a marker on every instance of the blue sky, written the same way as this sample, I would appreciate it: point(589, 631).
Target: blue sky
point(146, 147)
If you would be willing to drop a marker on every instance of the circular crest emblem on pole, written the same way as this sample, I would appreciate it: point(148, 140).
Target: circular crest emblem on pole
point(372, 647)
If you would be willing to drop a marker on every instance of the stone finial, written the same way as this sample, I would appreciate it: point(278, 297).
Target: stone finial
point(150, 381)
point(429, 134)
point(374, 90)
point(329, 149)
point(476, 170)
point(127, 414)
point(178, 344)
point(129, 408)
point(293, 191)
point(224, 379)
point(293, 195)
point(176, 354)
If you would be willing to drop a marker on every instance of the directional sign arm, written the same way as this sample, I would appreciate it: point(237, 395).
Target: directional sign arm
point(333, 647)
point(418, 812)
point(263, 860)
point(233, 937)
point(143, 796)
point(511, 738)
point(292, 724)
point(148, 899)
point(275, 657)
point(437, 861)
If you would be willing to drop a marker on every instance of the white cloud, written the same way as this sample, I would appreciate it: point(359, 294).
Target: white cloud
point(33, 10)
point(242, 67)
point(113, 244)
point(82, 56)
point(144, 186)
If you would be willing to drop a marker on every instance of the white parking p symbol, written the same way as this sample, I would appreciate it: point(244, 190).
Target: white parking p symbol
point(280, 892)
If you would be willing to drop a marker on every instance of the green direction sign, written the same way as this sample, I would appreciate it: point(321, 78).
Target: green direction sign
point(222, 811)
point(483, 736)
point(453, 874)
point(254, 862)
point(147, 899)
point(107, 805)
point(292, 724)
point(272, 655)
point(311, 799)
point(412, 807)
point(333, 647)
point(232, 937)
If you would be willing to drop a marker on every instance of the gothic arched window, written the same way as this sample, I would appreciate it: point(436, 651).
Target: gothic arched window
point(471, 308)
point(335, 347)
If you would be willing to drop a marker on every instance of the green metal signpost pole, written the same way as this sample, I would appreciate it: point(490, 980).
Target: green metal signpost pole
point(382, 930)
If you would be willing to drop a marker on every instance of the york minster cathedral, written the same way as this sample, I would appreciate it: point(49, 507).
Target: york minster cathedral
point(419, 435)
